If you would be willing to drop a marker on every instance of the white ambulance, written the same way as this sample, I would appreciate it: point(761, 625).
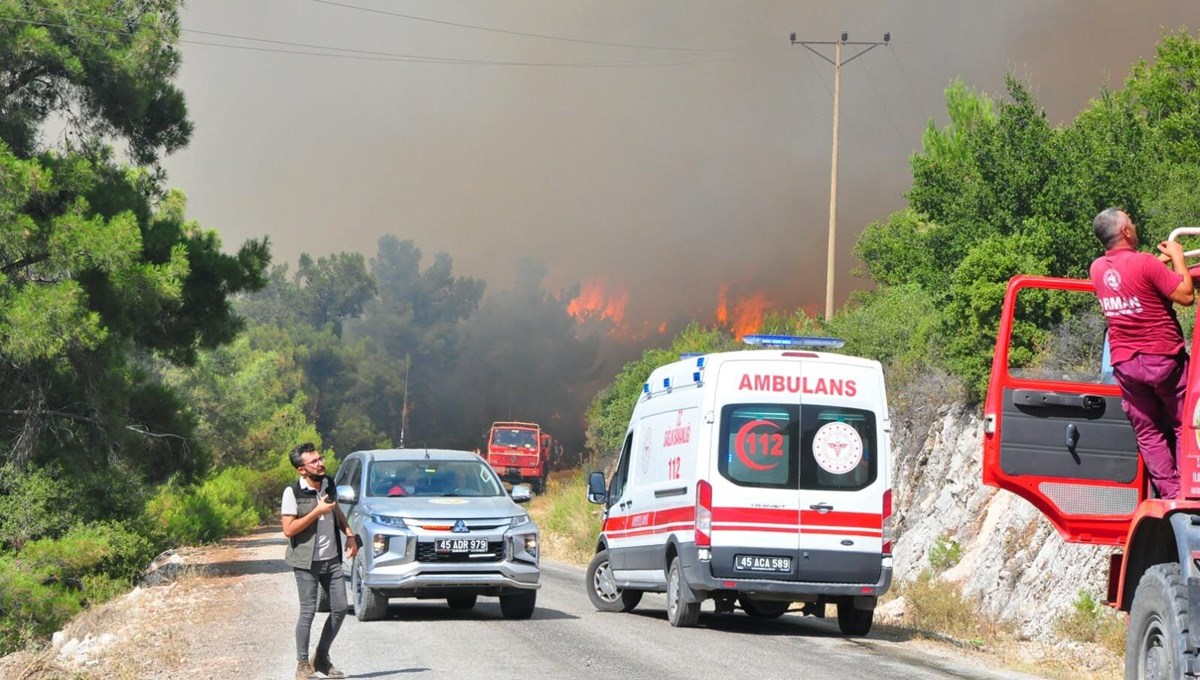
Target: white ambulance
point(761, 477)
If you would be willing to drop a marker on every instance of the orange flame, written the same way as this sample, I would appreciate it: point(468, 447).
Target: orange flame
point(662, 328)
point(596, 302)
point(743, 316)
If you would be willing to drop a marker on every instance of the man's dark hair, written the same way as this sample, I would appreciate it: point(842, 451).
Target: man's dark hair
point(297, 453)
point(1107, 227)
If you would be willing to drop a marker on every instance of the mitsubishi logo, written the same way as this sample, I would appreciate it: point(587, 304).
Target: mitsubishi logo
point(460, 527)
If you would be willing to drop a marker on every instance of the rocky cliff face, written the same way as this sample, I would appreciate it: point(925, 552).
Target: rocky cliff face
point(1012, 559)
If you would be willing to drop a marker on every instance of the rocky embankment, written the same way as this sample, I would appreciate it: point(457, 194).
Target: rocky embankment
point(1011, 557)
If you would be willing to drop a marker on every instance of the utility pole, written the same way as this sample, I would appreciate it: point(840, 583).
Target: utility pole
point(404, 407)
point(837, 87)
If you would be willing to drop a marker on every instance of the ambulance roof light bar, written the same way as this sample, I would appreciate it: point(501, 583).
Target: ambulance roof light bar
point(793, 341)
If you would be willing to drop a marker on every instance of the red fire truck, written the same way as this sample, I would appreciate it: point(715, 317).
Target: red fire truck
point(520, 452)
point(1056, 436)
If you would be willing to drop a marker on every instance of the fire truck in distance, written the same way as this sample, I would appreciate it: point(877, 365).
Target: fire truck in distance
point(1055, 434)
point(520, 452)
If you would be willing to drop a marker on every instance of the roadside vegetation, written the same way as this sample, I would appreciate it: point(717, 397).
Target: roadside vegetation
point(154, 379)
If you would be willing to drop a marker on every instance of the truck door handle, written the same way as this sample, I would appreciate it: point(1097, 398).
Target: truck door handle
point(626, 505)
point(1071, 436)
point(821, 507)
point(1038, 398)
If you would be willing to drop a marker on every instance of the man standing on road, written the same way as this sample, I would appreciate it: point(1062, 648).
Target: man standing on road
point(313, 522)
point(1149, 361)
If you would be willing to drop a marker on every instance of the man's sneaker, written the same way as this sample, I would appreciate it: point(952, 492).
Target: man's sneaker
point(304, 670)
point(325, 665)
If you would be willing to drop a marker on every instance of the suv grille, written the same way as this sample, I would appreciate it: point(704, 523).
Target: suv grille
point(426, 553)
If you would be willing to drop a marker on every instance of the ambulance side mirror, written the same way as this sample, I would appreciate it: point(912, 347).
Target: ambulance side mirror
point(596, 493)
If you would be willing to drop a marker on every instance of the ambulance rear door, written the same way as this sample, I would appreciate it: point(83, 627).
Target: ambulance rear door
point(844, 471)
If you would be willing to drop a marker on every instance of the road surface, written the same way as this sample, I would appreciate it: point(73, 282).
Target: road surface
point(567, 638)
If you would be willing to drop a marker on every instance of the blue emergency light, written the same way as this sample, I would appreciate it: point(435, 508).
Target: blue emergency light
point(793, 341)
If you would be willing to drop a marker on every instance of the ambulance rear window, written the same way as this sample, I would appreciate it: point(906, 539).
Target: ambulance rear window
point(837, 448)
point(787, 446)
point(758, 445)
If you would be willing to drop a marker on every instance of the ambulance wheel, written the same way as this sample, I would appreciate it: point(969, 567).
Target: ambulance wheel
point(851, 621)
point(680, 613)
point(1156, 644)
point(763, 609)
point(603, 590)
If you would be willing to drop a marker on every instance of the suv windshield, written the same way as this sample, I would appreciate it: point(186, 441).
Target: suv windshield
point(432, 478)
point(515, 437)
point(786, 446)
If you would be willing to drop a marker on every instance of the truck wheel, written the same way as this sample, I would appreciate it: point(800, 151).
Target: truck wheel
point(853, 621)
point(681, 614)
point(603, 591)
point(368, 604)
point(763, 609)
point(1156, 645)
point(519, 606)
point(462, 601)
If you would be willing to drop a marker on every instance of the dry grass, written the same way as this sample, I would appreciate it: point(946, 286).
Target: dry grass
point(1093, 645)
point(937, 607)
point(1093, 621)
point(569, 523)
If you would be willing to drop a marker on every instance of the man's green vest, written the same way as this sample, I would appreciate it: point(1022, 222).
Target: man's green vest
point(302, 546)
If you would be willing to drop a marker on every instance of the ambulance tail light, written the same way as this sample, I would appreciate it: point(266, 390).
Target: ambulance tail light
point(703, 514)
point(887, 522)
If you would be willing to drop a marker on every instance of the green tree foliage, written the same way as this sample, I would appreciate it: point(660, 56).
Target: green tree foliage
point(98, 266)
point(608, 414)
point(412, 333)
point(999, 192)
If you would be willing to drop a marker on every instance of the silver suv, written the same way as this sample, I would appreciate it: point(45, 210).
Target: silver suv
point(436, 524)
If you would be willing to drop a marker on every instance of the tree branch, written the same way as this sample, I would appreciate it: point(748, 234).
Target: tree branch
point(24, 262)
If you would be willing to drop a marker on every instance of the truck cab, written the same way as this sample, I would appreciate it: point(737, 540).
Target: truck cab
point(519, 452)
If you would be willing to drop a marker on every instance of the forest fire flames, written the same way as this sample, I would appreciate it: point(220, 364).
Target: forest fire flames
point(599, 301)
point(743, 316)
point(595, 301)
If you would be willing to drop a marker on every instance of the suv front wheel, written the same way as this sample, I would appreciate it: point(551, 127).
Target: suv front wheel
point(519, 606)
point(368, 605)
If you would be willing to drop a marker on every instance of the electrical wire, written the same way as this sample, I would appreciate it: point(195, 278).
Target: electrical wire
point(543, 36)
point(366, 55)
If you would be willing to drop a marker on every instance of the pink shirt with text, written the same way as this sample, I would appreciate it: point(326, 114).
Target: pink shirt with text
point(1133, 288)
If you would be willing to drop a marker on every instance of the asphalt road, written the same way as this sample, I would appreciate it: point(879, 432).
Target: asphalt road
point(567, 638)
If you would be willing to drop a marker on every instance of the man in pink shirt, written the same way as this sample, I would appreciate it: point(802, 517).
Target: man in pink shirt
point(1149, 361)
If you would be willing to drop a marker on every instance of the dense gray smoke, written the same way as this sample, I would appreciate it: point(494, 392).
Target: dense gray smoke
point(688, 164)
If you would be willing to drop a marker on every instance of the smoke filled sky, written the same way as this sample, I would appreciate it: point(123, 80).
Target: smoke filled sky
point(669, 172)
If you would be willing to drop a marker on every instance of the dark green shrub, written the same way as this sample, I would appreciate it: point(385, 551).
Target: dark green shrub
point(29, 608)
point(97, 548)
point(222, 506)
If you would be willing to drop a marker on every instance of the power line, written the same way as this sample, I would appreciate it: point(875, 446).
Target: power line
point(543, 36)
point(362, 55)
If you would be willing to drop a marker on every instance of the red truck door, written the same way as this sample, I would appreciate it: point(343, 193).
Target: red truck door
point(1055, 433)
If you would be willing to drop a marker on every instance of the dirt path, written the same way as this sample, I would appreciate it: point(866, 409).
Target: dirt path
point(202, 625)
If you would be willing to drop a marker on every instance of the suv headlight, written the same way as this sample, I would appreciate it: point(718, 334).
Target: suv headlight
point(389, 521)
point(519, 521)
